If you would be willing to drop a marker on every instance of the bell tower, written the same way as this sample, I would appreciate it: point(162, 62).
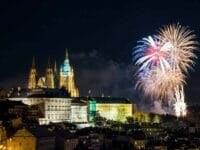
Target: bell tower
point(67, 77)
point(49, 75)
point(32, 76)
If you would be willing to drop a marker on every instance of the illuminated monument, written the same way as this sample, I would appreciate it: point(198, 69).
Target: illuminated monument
point(32, 76)
point(57, 98)
point(110, 108)
point(67, 77)
point(49, 76)
point(52, 80)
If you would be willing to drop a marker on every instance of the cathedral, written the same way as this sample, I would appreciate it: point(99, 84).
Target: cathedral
point(52, 79)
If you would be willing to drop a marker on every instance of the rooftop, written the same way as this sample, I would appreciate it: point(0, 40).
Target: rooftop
point(113, 100)
point(5, 104)
point(64, 134)
point(40, 92)
point(78, 101)
point(40, 131)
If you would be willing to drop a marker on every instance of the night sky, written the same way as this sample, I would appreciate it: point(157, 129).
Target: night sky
point(100, 36)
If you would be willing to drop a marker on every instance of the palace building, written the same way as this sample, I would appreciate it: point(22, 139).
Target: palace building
point(54, 104)
point(52, 79)
point(111, 108)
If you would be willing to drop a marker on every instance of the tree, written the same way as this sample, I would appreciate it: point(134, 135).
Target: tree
point(121, 114)
point(156, 119)
point(98, 120)
point(130, 120)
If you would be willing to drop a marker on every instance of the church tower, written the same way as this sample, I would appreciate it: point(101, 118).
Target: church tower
point(71, 85)
point(32, 76)
point(56, 76)
point(51, 79)
point(67, 77)
point(64, 71)
point(49, 76)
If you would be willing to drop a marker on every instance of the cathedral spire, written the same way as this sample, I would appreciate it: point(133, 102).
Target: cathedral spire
point(56, 77)
point(32, 76)
point(67, 54)
point(49, 63)
point(67, 77)
point(33, 62)
point(49, 76)
point(55, 68)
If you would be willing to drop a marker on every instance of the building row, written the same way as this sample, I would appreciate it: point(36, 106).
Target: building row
point(55, 105)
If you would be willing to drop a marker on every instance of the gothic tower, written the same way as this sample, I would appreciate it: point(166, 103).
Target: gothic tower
point(32, 76)
point(64, 72)
point(67, 77)
point(56, 77)
point(71, 85)
point(52, 79)
point(49, 76)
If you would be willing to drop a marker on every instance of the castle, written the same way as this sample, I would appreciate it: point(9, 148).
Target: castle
point(52, 80)
point(54, 104)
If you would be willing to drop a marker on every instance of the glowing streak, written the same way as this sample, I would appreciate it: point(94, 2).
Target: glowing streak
point(180, 105)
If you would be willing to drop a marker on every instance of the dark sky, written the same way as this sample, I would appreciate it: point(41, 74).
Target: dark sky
point(100, 37)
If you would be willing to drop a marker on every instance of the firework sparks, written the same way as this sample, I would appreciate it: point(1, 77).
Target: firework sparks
point(159, 84)
point(163, 61)
point(184, 45)
point(180, 105)
point(152, 52)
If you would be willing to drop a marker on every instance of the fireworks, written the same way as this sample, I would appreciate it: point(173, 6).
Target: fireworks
point(163, 61)
point(159, 84)
point(180, 105)
point(184, 44)
point(152, 52)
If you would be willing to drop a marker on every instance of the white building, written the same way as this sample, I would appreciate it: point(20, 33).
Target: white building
point(54, 104)
point(79, 111)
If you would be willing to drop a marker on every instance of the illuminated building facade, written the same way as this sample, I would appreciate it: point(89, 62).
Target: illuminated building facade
point(52, 79)
point(79, 111)
point(146, 117)
point(32, 139)
point(110, 108)
point(22, 139)
point(54, 104)
point(3, 137)
point(92, 109)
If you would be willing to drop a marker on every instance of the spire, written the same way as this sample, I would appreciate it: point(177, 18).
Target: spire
point(49, 62)
point(55, 68)
point(32, 76)
point(67, 54)
point(49, 75)
point(33, 62)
